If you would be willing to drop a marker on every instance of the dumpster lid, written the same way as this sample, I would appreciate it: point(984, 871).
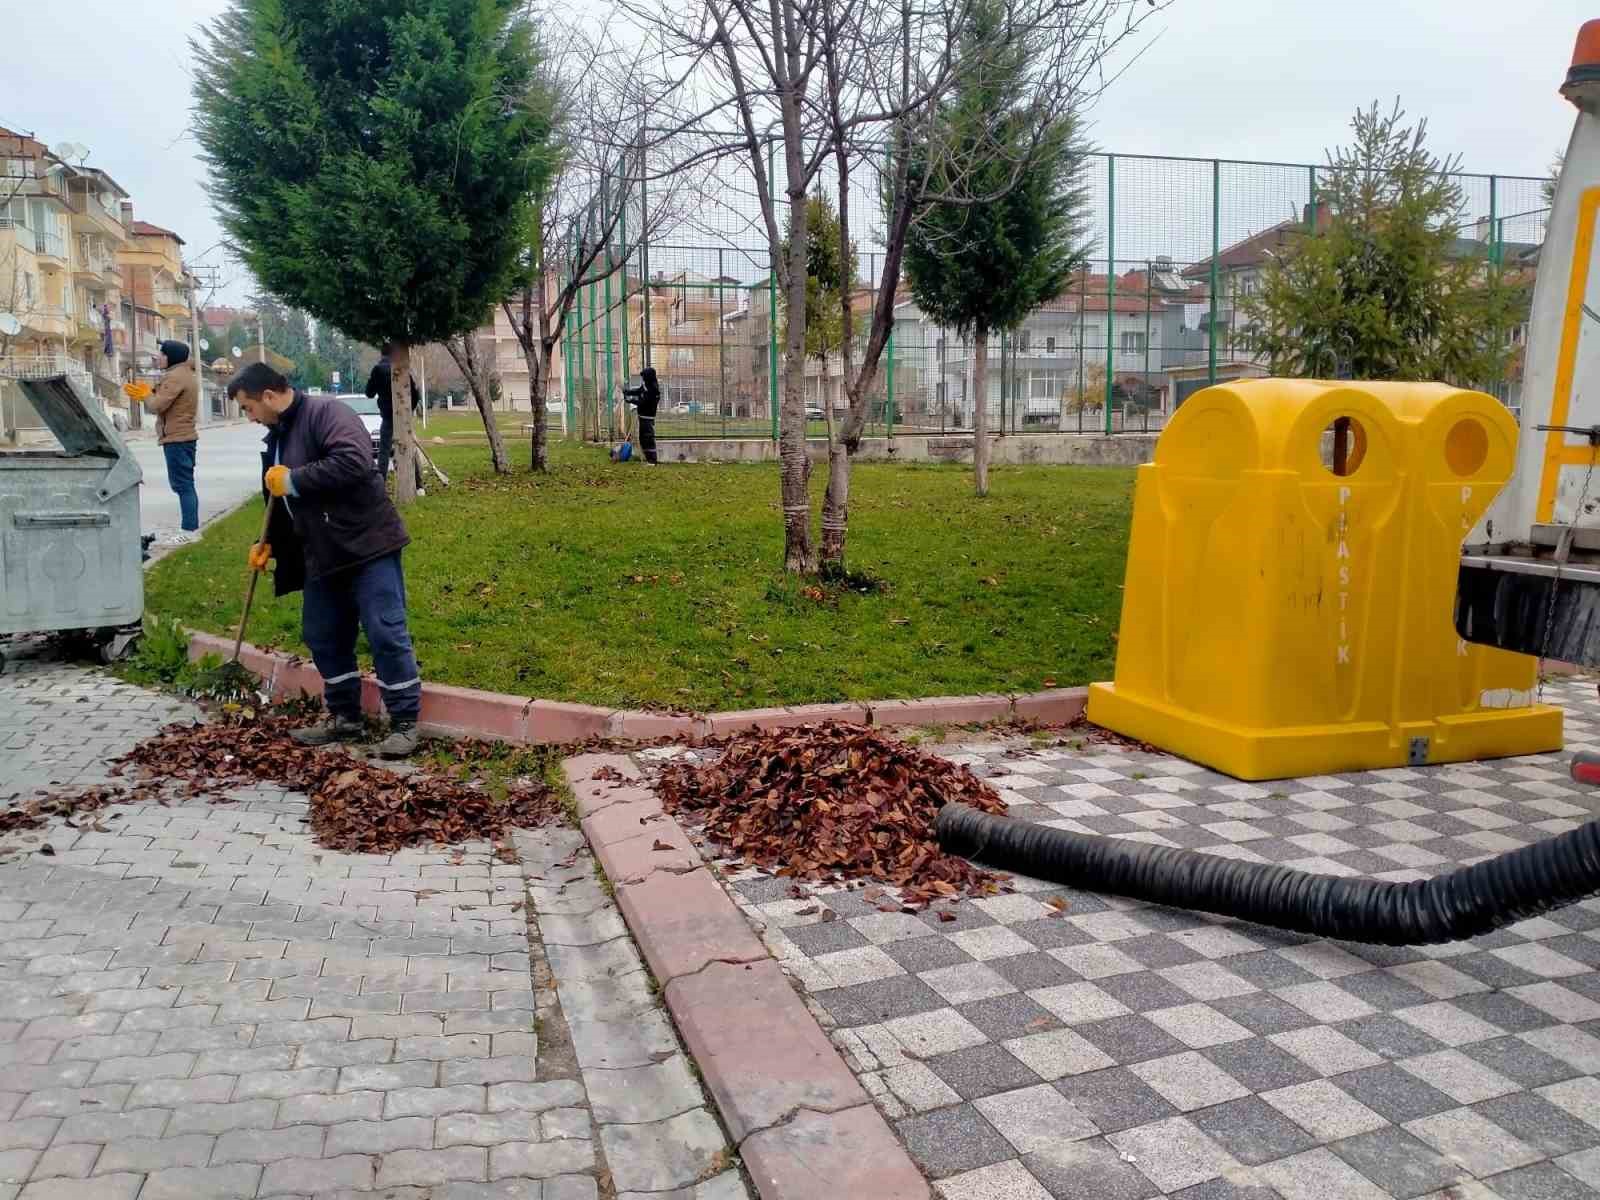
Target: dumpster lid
point(74, 417)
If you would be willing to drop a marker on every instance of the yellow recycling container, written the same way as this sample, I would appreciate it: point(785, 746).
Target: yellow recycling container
point(1280, 620)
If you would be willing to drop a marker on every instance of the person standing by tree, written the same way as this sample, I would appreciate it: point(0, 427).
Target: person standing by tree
point(176, 406)
point(336, 536)
point(380, 386)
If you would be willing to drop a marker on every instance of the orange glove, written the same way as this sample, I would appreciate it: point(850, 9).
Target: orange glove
point(260, 555)
point(277, 480)
point(136, 391)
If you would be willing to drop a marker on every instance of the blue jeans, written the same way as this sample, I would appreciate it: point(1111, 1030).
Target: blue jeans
point(373, 597)
point(180, 477)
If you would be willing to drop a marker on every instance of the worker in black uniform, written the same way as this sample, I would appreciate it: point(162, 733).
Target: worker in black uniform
point(646, 398)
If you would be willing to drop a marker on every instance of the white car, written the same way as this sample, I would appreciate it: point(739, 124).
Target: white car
point(367, 409)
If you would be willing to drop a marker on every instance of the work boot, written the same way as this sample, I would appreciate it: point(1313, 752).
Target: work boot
point(334, 729)
point(401, 742)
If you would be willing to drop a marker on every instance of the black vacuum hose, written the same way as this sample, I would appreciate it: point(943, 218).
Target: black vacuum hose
point(1473, 900)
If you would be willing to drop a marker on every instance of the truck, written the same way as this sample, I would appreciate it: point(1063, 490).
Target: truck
point(1530, 570)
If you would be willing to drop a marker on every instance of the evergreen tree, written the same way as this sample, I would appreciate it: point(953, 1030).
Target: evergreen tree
point(825, 281)
point(982, 267)
point(373, 161)
point(1384, 286)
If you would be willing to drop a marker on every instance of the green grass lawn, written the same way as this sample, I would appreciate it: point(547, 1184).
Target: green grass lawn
point(631, 586)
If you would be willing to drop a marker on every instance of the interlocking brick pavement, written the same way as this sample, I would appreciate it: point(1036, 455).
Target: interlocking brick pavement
point(201, 1002)
point(1123, 1050)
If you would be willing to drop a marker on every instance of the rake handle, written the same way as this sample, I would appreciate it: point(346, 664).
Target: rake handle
point(250, 588)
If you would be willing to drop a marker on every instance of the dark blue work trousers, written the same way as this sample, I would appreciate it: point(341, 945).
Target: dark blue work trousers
point(373, 598)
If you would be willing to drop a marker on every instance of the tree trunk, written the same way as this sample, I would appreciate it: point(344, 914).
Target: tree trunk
point(480, 376)
point(836, 506)
point(538, 389)
point(796, 466)
point(405, 444)
point(538, 380)
point(980, 410)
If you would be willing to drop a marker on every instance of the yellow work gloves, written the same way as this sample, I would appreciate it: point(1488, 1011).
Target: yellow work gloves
point(136, 391)
point(260, 555)
point(277, 480)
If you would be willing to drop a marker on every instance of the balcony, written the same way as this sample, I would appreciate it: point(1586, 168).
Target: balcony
point(92, 264)
point(49, 248)
point(90, 216)
point(43, 366)
point(51, 187)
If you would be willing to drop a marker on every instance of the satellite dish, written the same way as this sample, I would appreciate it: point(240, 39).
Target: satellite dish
point(204, 344)
point(9, 325)
point(238, 353)
point(72, 151)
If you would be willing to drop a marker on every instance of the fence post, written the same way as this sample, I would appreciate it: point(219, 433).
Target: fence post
point(644, 249)
point(577, 359)
point(1311, 209)
point(1149, 271)
point(622, 223)
point(611, 417)
point(594, 361)
point(568, 385)
point(1216, 249)
point(1004, 360)
point(1111, 279)
point(772, 307)
point(722, 352)
point(889, 381)
point(1083, 298)
point(1493, 238)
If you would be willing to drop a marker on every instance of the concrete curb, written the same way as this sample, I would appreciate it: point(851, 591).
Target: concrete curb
point(467, 712)
point(803, 1125)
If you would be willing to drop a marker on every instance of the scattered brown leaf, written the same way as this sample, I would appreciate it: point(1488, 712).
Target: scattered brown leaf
point(32, 814)
point(833, 802)
point(355, 805)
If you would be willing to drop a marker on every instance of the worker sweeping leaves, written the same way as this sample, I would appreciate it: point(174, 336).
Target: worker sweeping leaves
point(646, 398)
point(338, 537)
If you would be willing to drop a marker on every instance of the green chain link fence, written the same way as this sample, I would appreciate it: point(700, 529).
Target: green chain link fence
point(1174, 246)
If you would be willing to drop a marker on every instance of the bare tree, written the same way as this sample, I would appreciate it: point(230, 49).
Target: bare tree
point(850, 84)
point(582, 234)
point(483, 381)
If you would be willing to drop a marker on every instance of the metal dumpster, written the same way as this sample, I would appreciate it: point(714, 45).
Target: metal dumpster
point(69, 526)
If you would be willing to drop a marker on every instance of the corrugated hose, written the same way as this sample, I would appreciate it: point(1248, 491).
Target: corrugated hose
point(1473, 900)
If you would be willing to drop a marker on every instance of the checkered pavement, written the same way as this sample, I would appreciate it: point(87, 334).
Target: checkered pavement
point(1115, 1050)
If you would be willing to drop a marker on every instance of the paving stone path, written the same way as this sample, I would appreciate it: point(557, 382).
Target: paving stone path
point(1119, 1051)
point(198, 1001)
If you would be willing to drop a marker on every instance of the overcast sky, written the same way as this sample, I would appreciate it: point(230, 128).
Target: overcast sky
point(1257, 79)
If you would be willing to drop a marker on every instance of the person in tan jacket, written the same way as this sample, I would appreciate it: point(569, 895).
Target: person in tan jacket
point(176, 405)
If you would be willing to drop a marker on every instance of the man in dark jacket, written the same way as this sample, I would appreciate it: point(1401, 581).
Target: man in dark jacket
point(380, 387)
point(646, 398)
point(336, 535)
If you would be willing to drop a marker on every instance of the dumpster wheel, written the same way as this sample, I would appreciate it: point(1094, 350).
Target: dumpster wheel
point(112, 646)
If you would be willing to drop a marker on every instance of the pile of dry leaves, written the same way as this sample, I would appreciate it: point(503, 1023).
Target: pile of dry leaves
point(834, 802)
point(355, 805)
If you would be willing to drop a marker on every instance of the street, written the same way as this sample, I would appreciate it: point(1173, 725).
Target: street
point(227, 469)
